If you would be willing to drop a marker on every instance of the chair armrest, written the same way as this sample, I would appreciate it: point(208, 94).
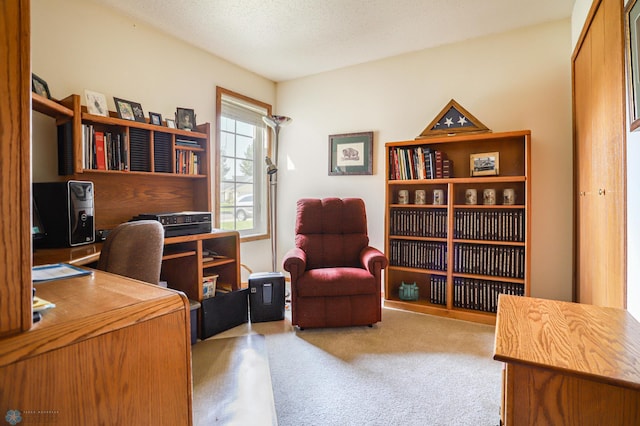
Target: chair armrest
point(373, 260)
point(295, 262)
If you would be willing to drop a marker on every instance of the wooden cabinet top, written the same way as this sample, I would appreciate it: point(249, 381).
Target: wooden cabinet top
point(86, 307)
point(598, 343)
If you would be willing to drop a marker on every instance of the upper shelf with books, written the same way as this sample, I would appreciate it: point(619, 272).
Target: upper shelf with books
point(491, 156)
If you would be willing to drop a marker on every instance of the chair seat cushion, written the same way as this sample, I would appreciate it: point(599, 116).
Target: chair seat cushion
point(324, 282)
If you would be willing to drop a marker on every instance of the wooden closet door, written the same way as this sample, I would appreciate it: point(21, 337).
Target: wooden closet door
point(599, 159)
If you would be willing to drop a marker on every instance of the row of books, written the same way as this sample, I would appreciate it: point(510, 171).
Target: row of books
point(419, 254)
point(419, 162)
point(482, 295)
point(187, 143)
point(503, 225)
point(479, 259)
point(438, 294)
point(187, 162)
point(104, 150)
point(418, 223)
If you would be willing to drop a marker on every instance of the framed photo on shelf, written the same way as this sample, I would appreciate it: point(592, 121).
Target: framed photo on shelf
point(124, 108)
point(40, 86)
point(186, 118)
point(632, 41)
point(96, 103)
point(171, 123)
point(351, 154)
point(128, 110)
point(155, 118)
point(484, 164)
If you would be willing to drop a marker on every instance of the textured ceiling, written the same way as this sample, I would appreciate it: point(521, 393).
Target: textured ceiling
point(287, 39)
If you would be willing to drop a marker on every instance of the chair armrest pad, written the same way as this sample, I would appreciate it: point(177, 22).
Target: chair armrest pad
point(373, 259)
point(295, 262)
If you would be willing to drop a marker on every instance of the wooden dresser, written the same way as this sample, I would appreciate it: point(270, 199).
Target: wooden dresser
point(567, 363)
point(112, 351)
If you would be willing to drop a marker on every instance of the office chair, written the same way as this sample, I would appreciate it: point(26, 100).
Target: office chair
point(134, 250)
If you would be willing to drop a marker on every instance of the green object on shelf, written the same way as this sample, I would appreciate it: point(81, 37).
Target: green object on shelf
point(408, 291)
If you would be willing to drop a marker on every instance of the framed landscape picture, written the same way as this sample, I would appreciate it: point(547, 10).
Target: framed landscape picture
point(484, 164)
point(351, 154)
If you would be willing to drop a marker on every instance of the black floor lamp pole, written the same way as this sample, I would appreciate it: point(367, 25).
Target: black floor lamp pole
point(275, 122)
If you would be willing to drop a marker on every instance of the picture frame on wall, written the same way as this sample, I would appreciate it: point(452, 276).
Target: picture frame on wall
point(484, 164)
point(40, 86)
point(632, 46)
point(351, 154)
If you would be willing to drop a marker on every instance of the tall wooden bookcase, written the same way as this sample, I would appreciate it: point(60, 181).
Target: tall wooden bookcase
point(461, 256)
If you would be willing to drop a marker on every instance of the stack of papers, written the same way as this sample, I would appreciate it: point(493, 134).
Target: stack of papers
point(56, 271)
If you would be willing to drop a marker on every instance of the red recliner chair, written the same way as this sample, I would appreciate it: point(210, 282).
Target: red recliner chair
point(335, 274)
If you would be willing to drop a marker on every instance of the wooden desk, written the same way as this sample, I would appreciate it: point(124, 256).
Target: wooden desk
point(112, 351)
point(567, 363)
point(79, 255)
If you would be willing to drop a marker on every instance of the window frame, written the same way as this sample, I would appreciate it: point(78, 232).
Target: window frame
point(220, 92)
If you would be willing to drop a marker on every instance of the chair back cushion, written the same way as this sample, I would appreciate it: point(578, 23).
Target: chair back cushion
point(331, 231)
point(134, 250)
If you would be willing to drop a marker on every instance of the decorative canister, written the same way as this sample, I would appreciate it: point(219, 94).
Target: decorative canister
point(471, 196)
point(408, 291)
point(438, 197)
point(489, 197)
point(509, 196)
point(403, 196)
point(421, 196)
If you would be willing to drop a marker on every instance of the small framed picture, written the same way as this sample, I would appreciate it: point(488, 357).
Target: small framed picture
point(351, 154)
point(40, 86)
point(138, 113)
point(124, 108)
point(484, 164)
point(96, 103)
point(155, 118)
point(186, 118)
point(171, 123)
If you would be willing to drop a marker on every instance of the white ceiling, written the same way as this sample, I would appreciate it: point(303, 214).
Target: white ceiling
point(287, 39)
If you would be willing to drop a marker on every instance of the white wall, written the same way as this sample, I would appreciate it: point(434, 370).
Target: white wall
point(511, 81)
point(79, 45)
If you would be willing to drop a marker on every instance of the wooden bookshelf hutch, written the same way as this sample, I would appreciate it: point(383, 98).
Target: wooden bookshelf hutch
point(461, 256)
point(152, 184)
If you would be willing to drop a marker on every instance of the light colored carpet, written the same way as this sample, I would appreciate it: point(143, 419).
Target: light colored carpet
point(410, 369)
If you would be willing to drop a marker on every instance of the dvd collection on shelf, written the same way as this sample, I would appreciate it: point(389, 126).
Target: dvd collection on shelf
point(482, 259)
point(418, 223)
point(419, 254)
point(482, 295)
point(490, 225)
point(418, 162)
point(470, 293)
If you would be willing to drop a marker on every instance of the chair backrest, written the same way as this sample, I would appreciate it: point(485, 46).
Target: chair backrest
point(331, 231)
point(134, 250)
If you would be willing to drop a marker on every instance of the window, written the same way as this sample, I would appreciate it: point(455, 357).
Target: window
point(242, 144)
